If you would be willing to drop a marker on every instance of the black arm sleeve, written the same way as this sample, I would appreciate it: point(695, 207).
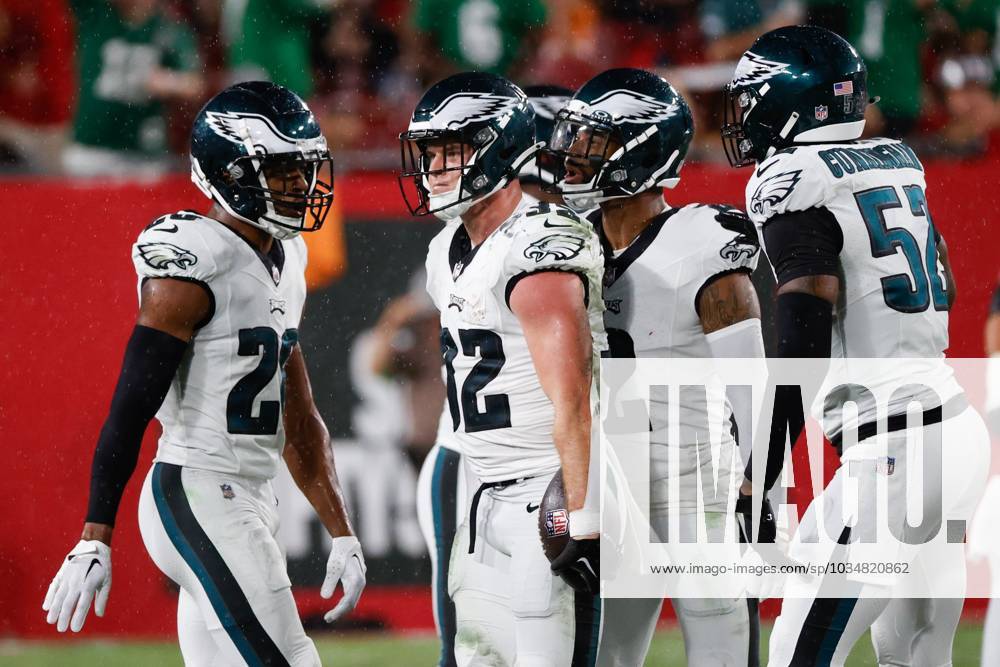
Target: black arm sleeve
point(804, 324)
point(804, 243)
point(151, 360)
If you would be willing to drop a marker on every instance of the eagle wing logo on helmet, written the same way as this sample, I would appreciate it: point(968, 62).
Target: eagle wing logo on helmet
point(774, 190)
point(547, 107)
point(461, 109)
point(161, 255)
point(628, 106)
point(757, 69)
point(251, 129)
point(557, 246)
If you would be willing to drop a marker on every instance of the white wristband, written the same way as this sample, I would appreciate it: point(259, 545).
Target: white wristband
point(584, 522)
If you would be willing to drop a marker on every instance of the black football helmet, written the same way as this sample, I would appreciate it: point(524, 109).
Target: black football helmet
point(798, 84)
point(490, 127)
point(254, 132)
point(626, 131)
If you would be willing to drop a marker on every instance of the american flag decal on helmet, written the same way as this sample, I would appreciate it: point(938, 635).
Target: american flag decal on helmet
point(843, 88)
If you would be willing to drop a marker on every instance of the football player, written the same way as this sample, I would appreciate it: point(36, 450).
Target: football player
point(518, 286)
point(441, 485)
point(676, 284)
point(861, 272)
point(214, 356)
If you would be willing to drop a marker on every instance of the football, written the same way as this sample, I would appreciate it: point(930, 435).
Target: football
point(553, 518)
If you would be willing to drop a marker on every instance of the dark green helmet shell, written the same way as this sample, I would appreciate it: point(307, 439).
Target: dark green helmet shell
point(243, 131)
point(647, 118)
point(480, 110)
point(798, 84)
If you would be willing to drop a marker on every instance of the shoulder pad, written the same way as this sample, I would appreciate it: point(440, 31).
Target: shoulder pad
point(552, 237)
point(180, 245)
point(787, 181)
point(729, 240)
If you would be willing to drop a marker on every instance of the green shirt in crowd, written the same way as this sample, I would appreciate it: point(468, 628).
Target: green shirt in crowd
point(888, 35)
point(483, 35)
point(114, 59)
point(273, 35)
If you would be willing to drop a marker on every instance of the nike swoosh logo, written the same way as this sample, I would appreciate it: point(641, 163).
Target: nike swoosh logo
point(165, 229)
point(91, 552)
point(586, 564)
point(761, 170)
point(545, 223)
point(92, 564)
point(531, 508)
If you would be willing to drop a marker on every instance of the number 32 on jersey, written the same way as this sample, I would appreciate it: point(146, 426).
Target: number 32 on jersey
point(488, 347)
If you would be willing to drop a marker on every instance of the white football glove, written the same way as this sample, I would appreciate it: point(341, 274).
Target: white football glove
point(85, 572)
point(769, 585)
point(346, 565)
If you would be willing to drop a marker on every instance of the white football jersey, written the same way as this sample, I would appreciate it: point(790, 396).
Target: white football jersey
point(893, 298)
point(225, 405)
point(651, 293)
point(501, 416)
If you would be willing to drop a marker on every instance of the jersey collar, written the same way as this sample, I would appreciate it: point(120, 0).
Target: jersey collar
point(273, 260)
point(614, 267)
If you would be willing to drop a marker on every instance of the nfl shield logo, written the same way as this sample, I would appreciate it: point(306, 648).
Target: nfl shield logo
point(886, 467)
point(556, 523)
point(227, 491)
point(821, 112)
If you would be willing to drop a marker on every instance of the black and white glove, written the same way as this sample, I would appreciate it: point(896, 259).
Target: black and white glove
point(84, 576)
point(579, 564)
point(767, 528)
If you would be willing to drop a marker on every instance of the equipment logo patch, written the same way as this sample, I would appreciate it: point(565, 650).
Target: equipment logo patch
point(227, 491)
point(774, 190)
point(559, 246)
point(161, 255)
point(556, 522)
point(738, 251)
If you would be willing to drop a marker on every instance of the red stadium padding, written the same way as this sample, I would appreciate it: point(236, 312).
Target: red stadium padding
point(68, 307)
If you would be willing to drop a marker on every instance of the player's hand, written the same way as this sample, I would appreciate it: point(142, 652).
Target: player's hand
point(579, 565)
point(86, 572)
point(767, 529)
point(346, 564)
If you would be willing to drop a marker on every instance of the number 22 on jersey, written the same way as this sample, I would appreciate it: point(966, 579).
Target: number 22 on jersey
point(263, 342)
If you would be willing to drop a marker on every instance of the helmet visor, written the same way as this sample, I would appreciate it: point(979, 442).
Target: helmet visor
point(578, 151)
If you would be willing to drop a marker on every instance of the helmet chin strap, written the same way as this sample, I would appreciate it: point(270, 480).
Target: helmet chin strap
point(446, 206)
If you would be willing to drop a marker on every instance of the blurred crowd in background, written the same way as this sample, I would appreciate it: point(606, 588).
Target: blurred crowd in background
point(109, 87)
